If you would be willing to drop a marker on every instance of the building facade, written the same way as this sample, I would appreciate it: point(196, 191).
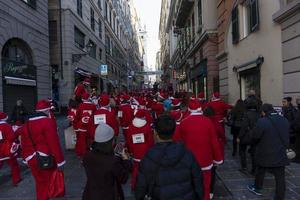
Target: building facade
point(24, 58)
point(87, 37)
point(188, 34)
point(288, 16)
point(249, 53)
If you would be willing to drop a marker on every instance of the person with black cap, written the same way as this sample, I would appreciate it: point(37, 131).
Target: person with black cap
point(105, 172)
point(271, 136)
point(168, 170)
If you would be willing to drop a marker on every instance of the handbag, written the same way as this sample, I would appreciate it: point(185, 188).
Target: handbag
point(290, 153)
point(57, 184)
point(44, 162)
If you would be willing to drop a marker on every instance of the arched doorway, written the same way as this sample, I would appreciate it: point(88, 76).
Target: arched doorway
point(18, 75)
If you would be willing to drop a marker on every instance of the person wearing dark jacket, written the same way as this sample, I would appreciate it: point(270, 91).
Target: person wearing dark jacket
point(19, 113)
point(289, 112)
point(296, 127)
point(249, 121)
point(253, 99)
point(271, 136)
point(105, 172)
point(168, 171)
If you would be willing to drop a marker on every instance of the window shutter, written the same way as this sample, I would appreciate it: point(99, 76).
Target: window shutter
point(235, 25)
point(254, 15)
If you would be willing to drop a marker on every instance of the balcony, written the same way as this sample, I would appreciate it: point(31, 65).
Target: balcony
point(183, 10)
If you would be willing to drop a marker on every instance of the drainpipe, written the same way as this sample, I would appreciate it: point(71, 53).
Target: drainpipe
point(61, 42)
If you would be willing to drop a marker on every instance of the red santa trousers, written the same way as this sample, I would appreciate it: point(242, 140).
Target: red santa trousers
point(42, 179)
point(14, 168)
point(207, 181)
point(81, 144)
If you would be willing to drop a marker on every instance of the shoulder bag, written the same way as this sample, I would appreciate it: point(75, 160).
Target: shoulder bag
point(44, 162)
point(291, 154)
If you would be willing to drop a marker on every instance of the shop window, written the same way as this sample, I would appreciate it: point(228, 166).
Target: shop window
point(250, 81)
point(79, 8)
point(79, 38)
point(31, 3)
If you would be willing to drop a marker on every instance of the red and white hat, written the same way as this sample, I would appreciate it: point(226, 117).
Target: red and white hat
point(104, 100)
point(216, 95)
point(201, 95)
point(162, 95)
point(126, 97)
point(85, 97)
point(194, 105)
point(87, 81)
point(176, 115)
point(3, 116)
point(139, 118)
point(42, 105)
point(176, 102)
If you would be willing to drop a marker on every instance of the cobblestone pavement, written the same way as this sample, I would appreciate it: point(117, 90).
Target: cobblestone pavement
point(231, 183)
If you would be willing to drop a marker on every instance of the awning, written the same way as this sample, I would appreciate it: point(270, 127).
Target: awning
point(83, 72)
point(249, 65)
point(19, 81)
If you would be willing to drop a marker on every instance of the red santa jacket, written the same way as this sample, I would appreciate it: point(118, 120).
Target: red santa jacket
point(104, 115)
point(199, 135)
point(139, 139)
point(125, 115)
point(79, 90)
point(158, 109)
point(44, 135)
point(71, 116)
point(7, 138)
point(84, 113)
point(220, 108)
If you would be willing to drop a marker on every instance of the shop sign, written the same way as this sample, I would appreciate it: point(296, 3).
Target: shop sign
point(19, 70)
point(103, 70)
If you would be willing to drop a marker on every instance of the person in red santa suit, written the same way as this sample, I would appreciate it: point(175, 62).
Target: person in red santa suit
point(142, 105)
point(138, 140)
point(39, 136)
point(158, 107)
point(85, 111)
point(125, 113)
point(9, 148)
point(81, 89)
point(220, 109)
point(103, 115)
point(199, 136)
point(202, 100)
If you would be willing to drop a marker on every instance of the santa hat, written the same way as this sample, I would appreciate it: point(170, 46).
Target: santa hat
point(176, 102)
point(162, 95)
point(141, 101)
point(177, 116)
point(194, 105)
point(85, 97)
point(42, 106)
point(87, 81)
point(139, 118)
point(216, 95)
point(126, 97)
point(104, 100)
point(201, 95)
point(3, 116)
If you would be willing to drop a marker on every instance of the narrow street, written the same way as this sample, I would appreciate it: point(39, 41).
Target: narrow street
point(231, 183)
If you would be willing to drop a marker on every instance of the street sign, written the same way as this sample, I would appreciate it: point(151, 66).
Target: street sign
point(103, 70)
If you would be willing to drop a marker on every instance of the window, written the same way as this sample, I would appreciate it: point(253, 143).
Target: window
point(100, 54)
point(100, 28)
point(31, 3)
point(235, 25)
point(53, 31)
point(106, 11)
point(79, 8)
point(200, 14)
point(92, 19)
point(92, 51)
point(79, 38)
point(110, 15)
point(99, 4)
point(113, 21)
point(107, 44)
point(254, 15)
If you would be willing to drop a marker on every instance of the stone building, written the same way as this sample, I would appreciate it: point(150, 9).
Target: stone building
point(24, 58)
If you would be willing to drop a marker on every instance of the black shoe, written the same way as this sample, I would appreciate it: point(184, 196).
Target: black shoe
point(254, 190)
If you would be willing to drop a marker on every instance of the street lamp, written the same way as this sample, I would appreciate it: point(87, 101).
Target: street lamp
point(77, 57)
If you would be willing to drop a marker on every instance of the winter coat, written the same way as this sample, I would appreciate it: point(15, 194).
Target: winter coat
point(105, 176)
point(270, 149)
point(172, 170)
point(296, 123)
point(19, 114)
point(252, 102)
point(220, 108)
point(84, 112)
point(7, 139)
point(199, 135)
point(125, 114)
point(290, 114)
point(249, 122)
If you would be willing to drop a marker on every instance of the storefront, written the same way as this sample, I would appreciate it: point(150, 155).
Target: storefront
point(199, 78)
point(18, 75)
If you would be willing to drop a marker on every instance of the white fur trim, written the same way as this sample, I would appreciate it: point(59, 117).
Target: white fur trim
point(61, 164)
point(37, 118)
point(137, 122)
point(43, 110)
point(218, 162)
point(214, 99)
point(5, 119)
point(196, 113)
point(207, 167)
point(3, 122)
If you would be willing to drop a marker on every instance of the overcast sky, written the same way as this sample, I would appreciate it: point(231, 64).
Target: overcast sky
point(149, 13)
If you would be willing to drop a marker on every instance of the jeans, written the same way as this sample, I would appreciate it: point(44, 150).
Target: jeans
point(243, 156)
point(279, 174)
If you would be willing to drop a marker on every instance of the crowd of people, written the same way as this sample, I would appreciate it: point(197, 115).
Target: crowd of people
point(172, 144)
